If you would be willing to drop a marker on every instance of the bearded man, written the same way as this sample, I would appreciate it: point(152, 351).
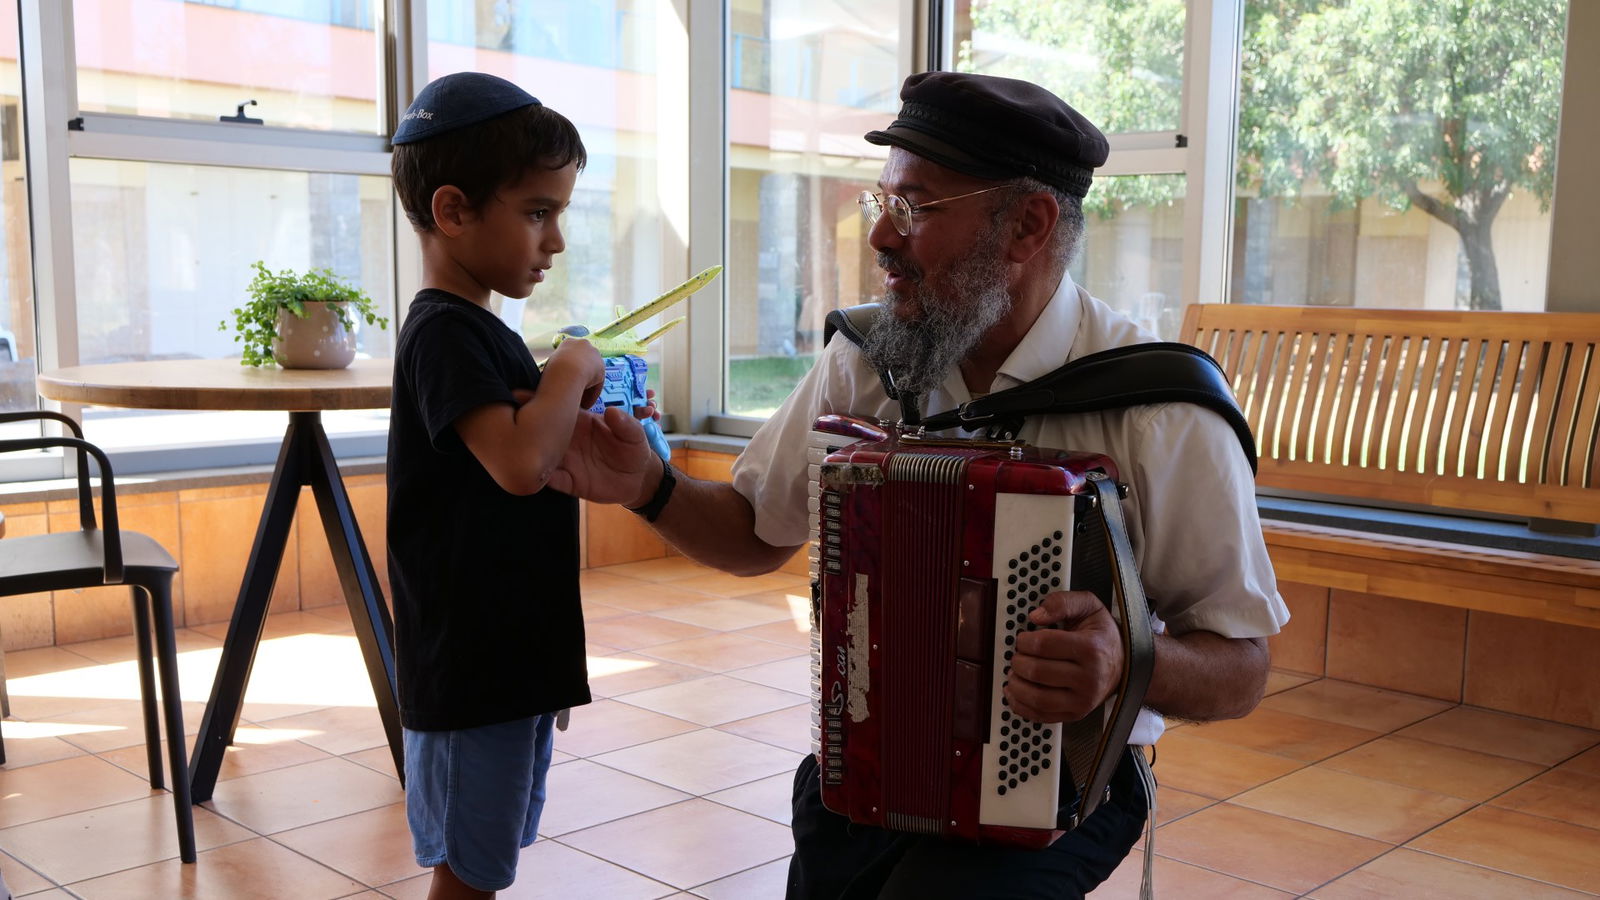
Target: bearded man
point(977, 214)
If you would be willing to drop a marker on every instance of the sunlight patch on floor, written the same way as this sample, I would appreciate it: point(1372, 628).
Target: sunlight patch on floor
point(248, 735)
point(310, 669)
point(800, 611)
point(316, 670)
point(601, 666)
point(17, 730)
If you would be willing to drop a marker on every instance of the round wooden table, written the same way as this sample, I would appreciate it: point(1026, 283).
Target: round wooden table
point(220, 384)
point(305, 458)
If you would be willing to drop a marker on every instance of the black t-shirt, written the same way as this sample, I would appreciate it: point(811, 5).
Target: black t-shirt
point(488, 625)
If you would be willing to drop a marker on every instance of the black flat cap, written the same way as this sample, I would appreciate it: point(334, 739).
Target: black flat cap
point(998, 128)
point(455, 101)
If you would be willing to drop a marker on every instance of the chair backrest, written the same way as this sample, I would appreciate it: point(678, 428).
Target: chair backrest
point(1477, 411)
point(111, 538)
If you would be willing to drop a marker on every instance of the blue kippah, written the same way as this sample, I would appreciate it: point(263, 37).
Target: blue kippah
point(456, 101)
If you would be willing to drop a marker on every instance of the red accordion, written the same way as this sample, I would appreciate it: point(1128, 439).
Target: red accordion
point(928, 557)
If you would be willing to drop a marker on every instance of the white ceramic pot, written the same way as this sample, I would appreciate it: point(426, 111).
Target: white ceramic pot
point(319, 341)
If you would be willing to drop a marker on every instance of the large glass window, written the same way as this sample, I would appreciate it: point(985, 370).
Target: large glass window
point(1397, 153)
point(808, 80)
point(1132, 251)
point(18, 350)
point(163, 254)
point(305, 63)
point(595, 63)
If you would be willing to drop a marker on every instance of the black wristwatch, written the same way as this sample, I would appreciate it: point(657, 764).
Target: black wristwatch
point(658, 500)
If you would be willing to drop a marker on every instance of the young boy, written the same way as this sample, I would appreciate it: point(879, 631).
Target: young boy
point(482, 556)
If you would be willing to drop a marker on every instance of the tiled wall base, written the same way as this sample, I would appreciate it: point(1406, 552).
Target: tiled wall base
point(1521, 666)
point(1515, 665)
point(614, 535)
point(209, 531)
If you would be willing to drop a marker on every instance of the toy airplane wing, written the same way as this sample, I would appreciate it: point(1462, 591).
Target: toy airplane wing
point(620, 326)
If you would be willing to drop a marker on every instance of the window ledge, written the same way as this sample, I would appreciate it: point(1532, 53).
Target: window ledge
point(711, 443)
point(156, 482)
point(16, 492)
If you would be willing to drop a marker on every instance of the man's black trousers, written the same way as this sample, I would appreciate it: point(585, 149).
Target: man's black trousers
point(837, 860)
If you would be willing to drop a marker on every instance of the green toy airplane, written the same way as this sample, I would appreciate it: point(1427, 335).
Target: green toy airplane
point(616, 338)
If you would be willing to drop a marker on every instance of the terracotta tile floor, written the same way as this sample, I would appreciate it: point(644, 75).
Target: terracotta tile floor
point(675, 782)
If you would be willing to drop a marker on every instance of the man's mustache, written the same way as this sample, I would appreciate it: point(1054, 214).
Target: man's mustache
point(892, 263)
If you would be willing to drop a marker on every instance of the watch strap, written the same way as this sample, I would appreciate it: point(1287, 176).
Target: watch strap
point(658, 500)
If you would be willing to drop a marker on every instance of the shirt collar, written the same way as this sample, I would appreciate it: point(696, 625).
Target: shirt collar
point(1048, 343)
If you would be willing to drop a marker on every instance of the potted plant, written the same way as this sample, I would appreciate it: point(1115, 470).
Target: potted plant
point(300, 321)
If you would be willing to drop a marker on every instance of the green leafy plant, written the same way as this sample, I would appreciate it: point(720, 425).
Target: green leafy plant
point(257, 320)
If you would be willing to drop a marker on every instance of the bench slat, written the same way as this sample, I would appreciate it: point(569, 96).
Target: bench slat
point(1580, 453)
point(1508, 379)
point(1558, 444)
point(1421, 402)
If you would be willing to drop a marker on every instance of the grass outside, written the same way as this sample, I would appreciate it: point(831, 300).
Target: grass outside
point(757, 385)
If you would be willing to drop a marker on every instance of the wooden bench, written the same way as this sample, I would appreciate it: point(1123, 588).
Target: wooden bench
point(1470, 416)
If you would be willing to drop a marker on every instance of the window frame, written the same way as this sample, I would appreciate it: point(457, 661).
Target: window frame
point(58, 132)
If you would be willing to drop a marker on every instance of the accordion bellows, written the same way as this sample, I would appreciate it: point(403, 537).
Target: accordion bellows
point(928, 556)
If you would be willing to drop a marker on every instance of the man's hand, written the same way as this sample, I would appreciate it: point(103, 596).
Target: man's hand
point(1063, 674)
point(608, 461)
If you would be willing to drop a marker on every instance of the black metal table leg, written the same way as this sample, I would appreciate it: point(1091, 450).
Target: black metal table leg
point(374, 628)
point(304, 458)
point(249, 617)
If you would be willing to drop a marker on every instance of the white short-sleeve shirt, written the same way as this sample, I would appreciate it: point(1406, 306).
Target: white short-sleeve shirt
point(1190, 509)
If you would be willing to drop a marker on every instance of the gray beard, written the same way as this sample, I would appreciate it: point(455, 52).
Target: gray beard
point(921, 352)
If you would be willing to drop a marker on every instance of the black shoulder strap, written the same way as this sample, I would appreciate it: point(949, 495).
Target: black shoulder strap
point(855, 323)
point(1132, 375)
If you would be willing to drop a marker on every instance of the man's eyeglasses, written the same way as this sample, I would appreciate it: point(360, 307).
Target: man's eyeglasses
point(900, 211)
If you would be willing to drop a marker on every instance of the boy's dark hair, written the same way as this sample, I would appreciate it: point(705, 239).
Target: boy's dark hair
point(483, 157)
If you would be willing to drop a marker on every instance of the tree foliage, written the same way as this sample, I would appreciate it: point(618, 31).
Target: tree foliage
point(1373, 97)
point(1120, 62)
point(1446, 105)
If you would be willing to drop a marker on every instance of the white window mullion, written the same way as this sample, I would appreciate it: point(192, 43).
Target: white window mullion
point(405, 75)
point(144, 139)
point(49, 71)
point(697, 353)
point(1575, 206)
point(50, 95)
point(1211, 117)
point(1144, 153)
point(930, 25)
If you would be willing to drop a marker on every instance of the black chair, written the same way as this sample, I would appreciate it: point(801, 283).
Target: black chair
point(92, 556)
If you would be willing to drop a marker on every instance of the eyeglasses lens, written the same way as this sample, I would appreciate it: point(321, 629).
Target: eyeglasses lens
point(871, 209)
point(899, 213)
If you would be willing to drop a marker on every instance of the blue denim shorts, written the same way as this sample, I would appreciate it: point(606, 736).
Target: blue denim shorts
point(473, 797)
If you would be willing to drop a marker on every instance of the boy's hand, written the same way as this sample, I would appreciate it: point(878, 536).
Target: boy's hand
point(648, 411)
point(579, 357)
point(607, 460)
